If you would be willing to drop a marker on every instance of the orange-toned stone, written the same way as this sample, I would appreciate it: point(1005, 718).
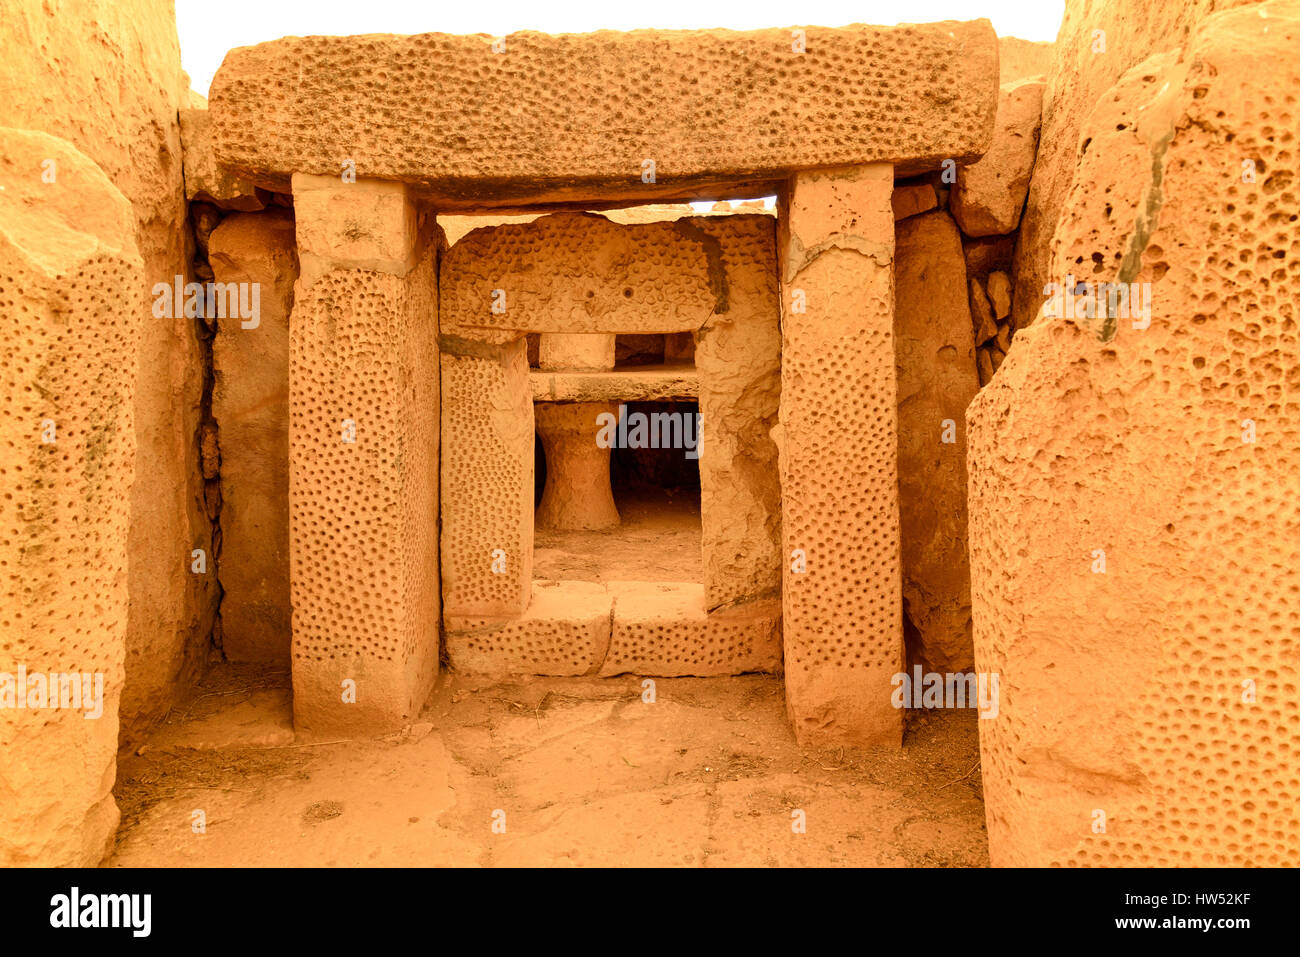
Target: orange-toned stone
point(363, 493)
point(708, 107)
point(250, 403)
point(842, 625)
point(1158, 688)
point(72, 285)
point(936, 381)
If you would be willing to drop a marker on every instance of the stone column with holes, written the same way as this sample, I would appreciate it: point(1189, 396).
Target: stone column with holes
point(842, 590)
point(363, 457)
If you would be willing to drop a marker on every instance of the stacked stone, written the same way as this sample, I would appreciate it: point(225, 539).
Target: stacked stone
point(985, 199)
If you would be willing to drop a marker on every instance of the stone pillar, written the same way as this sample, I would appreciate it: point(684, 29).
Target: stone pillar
point(250, 403)
point(839, 457)
point(738, 356)
point(578, 494)
point(363, 457)
point(72, 286)
point(487, 475)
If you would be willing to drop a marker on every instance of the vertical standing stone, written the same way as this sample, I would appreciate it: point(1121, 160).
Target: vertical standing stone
point(71, 284)
point(839, 457)
point(487, 474)
point(363, 459)
point(250, 402)
point(738, 356)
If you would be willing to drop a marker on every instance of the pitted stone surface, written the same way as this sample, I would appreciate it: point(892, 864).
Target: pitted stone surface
point(581, 273)
point(565, 631)
point(363, 531)
point(662, 629)
point(839, 458)
point(487, 480)
point(71, 305)
point(1162, 690)
point(443, 111)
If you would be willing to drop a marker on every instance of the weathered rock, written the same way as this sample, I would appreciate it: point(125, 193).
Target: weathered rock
point(72, 285)
point(1098, 41)
point(1018, 59)
point(988, 254)
point(981, 314)
point(990, 193)
point(913, 199)
point(363, 493)
point(204, 179)
point(250, 402)
point(843, 634)
point(984, 365)
point(1154, 688)
point(998, 286)
point(106, 76)
point(738, 357)
point(709, 107)
point(599, 277)
point(578, 494)
point(936, 381)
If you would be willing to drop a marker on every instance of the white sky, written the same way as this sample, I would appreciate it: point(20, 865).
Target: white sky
point(208, 30)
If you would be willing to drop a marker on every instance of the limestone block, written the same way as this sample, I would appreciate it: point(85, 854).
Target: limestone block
point(705, 106)
point(1018, 59)
point(663, 629)
point(1097, 42)
point(999, 290)
point(487, 479)
point(579, 353)
point(738, 356)
point(913, 199)
point(936, 381)
point(987, 254)
point(363, 496)
point(72, 294)
point(645, 384)
point(204, 179)
point(581, 273)
point(839, 458)
point(982, 314)
point(250, 402)
point(564, 631)
point(368, 224)
point(990, 193)
point(1162, 689)
point(106, 76)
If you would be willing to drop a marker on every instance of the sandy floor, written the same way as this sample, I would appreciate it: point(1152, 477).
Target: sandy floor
point(658, 541)
point(580, 771)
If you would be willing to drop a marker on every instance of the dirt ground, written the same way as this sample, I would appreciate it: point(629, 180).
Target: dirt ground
point(657, 541)
point(545, 772)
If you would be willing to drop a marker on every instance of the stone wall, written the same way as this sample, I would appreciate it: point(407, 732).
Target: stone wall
point(1133, 473)
point(71, 285)
point(106, 76)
